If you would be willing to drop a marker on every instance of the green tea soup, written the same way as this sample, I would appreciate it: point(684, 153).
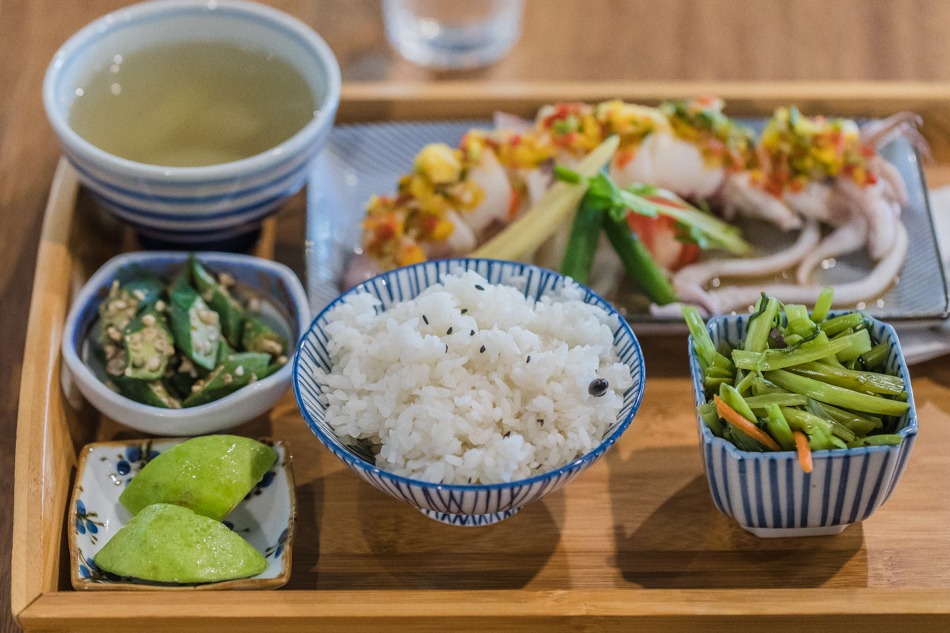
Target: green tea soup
point(192, 103)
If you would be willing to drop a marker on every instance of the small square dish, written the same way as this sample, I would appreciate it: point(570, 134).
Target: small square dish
point(769, 494)
point(265, 518)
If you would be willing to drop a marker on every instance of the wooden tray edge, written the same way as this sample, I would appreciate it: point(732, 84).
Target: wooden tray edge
point(673, 610)
point(33, 570)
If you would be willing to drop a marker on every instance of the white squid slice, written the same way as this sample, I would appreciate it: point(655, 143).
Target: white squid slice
point(493, 179)
point(815, 201)
point(882, 215)
point(895, 187)
point(740, 195)
point(537, 182)
point(460, 241)
point(902, 124)
point(845, 239)
point(669, 162)
point(689, 281)
point(512, 122)
point(848, 294)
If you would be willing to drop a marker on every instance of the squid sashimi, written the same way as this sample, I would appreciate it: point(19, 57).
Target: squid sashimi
point(801, 174)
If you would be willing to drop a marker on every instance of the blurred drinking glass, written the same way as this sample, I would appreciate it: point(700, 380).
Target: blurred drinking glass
point(453, 34)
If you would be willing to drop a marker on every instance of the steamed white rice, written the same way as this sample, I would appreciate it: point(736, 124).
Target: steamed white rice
point(415, 382)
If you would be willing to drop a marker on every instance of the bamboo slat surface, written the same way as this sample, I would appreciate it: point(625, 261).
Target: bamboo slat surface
point(635, 540)
point(630, 48)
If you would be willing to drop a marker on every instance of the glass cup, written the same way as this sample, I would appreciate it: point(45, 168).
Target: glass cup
point(452, 34)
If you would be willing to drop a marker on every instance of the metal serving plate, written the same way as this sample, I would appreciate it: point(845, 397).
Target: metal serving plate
point(366, 159)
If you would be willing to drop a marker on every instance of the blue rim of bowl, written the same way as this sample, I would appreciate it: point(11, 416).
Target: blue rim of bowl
point(908, 431)
point(352, 460)
point(155, 9)
point(108, 271)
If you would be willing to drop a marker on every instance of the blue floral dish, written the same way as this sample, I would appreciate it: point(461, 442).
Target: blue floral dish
point(457, 504)
point(265, 518)
point(770, 495)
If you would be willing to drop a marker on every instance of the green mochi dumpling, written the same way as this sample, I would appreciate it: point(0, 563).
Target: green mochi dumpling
point(169, 543)
point(209, 475)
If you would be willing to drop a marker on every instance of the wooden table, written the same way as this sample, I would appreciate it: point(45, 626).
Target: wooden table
point(599, 40)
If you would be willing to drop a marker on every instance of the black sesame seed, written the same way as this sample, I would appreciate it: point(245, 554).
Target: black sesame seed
point(425, 319)
point(446, 348)
point(541, 421)
point(507, 433)
point(464, 310)
point(529, 359)
point(472, 333)
point(477, 287)
point(482, 350)
point(597, 387)
point(449, 331)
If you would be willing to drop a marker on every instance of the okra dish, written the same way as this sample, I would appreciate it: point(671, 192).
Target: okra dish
point(799, 382)
point(184, 342)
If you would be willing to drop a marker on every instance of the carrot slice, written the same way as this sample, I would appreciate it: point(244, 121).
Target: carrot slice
point(733, 417)
point(804, 451)
point(514, 204)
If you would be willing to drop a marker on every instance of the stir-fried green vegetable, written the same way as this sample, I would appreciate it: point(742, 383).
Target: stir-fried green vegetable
point(787, 385)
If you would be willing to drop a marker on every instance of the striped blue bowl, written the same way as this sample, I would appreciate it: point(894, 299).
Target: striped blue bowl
point(770, 495)
point(457, 504)
point(193, 205)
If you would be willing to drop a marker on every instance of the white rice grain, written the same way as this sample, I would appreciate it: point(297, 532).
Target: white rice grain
point(496, 394)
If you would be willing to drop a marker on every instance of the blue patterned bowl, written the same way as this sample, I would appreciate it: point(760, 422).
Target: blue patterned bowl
point(769, 494)
point(457, 504)
point(193, 205)
point(284, 308)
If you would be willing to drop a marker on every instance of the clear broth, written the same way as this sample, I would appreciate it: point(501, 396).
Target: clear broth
point(191, 104)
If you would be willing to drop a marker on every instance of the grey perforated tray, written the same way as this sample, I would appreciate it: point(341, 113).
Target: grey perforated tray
point(366, 159)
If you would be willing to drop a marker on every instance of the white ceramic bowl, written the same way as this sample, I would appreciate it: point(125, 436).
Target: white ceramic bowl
point(270, 279)
point(770, 495)
point(193, 205)
point(474, 504)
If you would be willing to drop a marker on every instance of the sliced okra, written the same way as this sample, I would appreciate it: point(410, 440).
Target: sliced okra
point(237, 371)
point(146, 291)
point(148, 345)
point(196, 326)
point(217, 296)
point(257, 337)
point(279, 362)
point(150, 392)
point(115, 312)
point(224, 350)
point(184, 374)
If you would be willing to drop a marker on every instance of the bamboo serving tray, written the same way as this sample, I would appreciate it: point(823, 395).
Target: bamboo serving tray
point(635, 541)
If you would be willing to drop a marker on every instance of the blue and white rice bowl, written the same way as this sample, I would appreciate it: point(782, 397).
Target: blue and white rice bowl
point(770, 495)
point(193, 205)
point(457, 504)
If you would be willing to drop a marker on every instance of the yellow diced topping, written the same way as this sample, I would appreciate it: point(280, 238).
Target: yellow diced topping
point(439, 163)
